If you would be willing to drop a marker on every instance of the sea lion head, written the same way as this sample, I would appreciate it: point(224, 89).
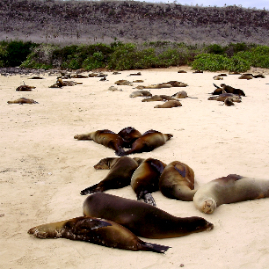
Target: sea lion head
point(169, 136)
point(208, 206)
point(198, 224)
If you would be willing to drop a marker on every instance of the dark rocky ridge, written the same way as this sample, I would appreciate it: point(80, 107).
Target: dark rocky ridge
point(67, 22)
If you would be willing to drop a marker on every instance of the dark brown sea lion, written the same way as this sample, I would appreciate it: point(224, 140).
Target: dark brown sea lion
point(246, 76)
point(24, 88)
point(141, 218)
point(129, 135)
point(177, 181)
point(182, 71)
point(148, 141)
point(230, 189)
point(145, 179)
point(169, 104)
point(230, 89)
point(22, 101)
point(97, 231)
point(106, 138)
point(119, 176)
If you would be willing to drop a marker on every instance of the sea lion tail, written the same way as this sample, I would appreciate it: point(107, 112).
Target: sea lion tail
point(154, 247)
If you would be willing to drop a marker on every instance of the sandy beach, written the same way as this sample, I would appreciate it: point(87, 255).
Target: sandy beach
point(43, 168)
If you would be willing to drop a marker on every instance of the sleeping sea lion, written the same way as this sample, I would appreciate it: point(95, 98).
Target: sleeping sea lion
point(223, 96)
point(148, 141)
point(230, 189)
point(119, 176)
point(129, 135)
point(106, 138)
point(140, 93)
point(177, 181)
point(145, 179)
point(22, 101)
point(161, 97)
point(97, 231)
point(141, 218)
point(24, 88)
point(169, 104)
point(229, 101)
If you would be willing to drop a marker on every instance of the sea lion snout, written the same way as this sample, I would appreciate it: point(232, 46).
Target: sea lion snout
point(209, 226)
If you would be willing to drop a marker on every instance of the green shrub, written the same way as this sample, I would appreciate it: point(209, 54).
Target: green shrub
point(215, 49)
point(238, 64)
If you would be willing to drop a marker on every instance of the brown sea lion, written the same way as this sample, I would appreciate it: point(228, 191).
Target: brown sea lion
point(141, 218)
point(177, 181)
point(148, 141)
point(24, 88)
point(230, 189)
point(230, 89)
point(22, 101)
point(123, 82)
point(97, 231)
point(60, 83)
point(198, 71)
point(136, 74)
point(161, 97)
point(182, 71)
point(145, 179)
point(140, 93)
point(218, 77)
point(106, 138)
point(129, 135)
point(175, 83)
point(180, 94)
point(119, 176)
point(169, 104)
point(229, 101)
point(246, 76)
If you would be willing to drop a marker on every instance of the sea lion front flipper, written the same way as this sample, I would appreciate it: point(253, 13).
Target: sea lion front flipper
point(148, 198)
point(91, 189)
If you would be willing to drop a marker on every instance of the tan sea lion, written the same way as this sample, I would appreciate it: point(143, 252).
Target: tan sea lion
point(223, 96)
point(135, 74)
point(22, 101)
point(123, 82)
point(161, 97)
point(230, 189)
point(106, 138)
point(148, 141)
point(180, 94)
point(145, 179)
point(97, 231)
point(141, 218)
point(175, 83)
point(218, 77)
point(140, 93)
point(169, 104)
point(60, 83)
point(228, 101)
point(119, 176)
point(129, 135)
point(177, 181)
point(24, 88)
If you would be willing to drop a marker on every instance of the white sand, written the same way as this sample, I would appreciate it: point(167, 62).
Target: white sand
point(43, 168)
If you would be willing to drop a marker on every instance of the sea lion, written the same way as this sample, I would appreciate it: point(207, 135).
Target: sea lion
point(22, 101)
point(24, 88)
point(169, 104)
point(106, 138)
point(140, 93)
point(140, 218)
point(175, 83)
point(218, 77)
point(145, 179)
point(60, 83)
point(136, 74)
point(161, 97)
point(177, 181)
point(119, 176)
point(129, 135)
point(148, 141)
point(223, 96)
point(230, 89)
point(231, 189)
point(180, 94)
point(246, 76)
point(181, 71)
point(97, 231)
point(123, 82)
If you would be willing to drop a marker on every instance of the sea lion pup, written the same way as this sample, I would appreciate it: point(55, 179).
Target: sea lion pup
point(223, 96)
point(145, 179)
point(169, 104)
point(106, 138)
point(177, 181)
point(148, 141)
point(24, 88)
point(97, 231)
point(230, 189)
point(218, 77)
point(140, 218)
point(230, 89)
point(228, 101)
point(140, 93)
point(119, 176)
point(129, 135)
point(22, 101)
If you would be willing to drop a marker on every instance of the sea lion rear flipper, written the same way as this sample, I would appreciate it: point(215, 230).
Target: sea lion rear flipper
point(216, 85)
point(154, 247)
point(91, 189)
